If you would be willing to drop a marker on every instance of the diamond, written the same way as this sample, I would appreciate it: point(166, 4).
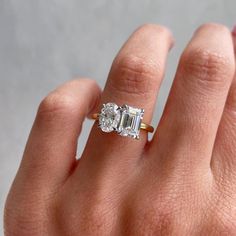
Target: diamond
point(130, 121)
point(109, 117)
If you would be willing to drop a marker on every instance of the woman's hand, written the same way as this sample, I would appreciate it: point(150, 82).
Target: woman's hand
point(182, 182)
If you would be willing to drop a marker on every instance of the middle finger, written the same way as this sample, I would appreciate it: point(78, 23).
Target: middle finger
point(196, 101)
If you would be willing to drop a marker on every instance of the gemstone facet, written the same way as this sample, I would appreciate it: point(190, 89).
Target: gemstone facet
point(125, 120)
point(109, 117)
point(130, 121)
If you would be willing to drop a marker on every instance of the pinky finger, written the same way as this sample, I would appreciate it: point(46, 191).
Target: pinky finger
point(51, 148)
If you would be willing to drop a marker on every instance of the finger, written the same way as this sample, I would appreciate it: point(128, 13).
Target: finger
point(134, 79)
point(51, 149)
point(197, 98)
point(224, 162)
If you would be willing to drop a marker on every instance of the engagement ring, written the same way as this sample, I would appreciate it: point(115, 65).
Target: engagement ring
point(125, 120)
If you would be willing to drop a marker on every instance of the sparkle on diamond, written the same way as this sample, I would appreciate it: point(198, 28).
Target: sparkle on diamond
point(109, 117)
point(125, 120)
point(130, 121)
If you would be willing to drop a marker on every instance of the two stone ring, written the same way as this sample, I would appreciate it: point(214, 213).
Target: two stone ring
point(125, 120)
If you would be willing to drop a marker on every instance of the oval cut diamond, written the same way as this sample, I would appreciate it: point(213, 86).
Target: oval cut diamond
point(109, 117)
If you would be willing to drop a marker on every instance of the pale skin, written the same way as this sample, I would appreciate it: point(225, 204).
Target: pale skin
point(181, 182)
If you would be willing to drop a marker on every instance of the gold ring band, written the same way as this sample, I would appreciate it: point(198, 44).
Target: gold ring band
point(143, 126)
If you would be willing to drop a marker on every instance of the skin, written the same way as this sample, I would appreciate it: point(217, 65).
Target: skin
point(181, 182)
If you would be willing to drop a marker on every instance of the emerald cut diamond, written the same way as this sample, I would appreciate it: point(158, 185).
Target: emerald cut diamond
point(130, 121)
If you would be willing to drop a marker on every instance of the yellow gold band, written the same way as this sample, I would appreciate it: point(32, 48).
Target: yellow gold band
point(144, 126)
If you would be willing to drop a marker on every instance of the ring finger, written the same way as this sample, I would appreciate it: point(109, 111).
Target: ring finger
point(134, 79)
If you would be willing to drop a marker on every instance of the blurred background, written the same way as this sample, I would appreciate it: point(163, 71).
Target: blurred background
point(45, 43)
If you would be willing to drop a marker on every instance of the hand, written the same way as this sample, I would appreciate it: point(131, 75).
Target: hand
point(182, 182)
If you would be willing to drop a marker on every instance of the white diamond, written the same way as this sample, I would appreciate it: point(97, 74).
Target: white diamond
point(130, 121)
point(109, 117)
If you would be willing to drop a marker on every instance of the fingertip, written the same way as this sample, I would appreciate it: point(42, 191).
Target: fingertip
point(52, 144)
point(95, 105)
point(157, 28)
point(93, 88)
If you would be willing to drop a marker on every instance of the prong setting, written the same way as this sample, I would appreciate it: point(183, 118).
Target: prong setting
point(125, 120)
point(109, 117)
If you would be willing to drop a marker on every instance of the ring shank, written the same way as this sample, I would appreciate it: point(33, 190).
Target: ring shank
point(144, 126)
point(147, 127)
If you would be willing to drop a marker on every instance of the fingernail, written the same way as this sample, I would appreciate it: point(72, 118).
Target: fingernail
point(234, 31)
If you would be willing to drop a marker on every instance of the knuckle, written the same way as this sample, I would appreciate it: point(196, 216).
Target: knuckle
point(219, 227)
point(221, 211)
point(135, 75)
point(157, 216)
point(21, 218)
point(98, 220)
point(97, 213)
point(56, 104)
point(207, 67)
point(148, 220)
point(159, 221)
